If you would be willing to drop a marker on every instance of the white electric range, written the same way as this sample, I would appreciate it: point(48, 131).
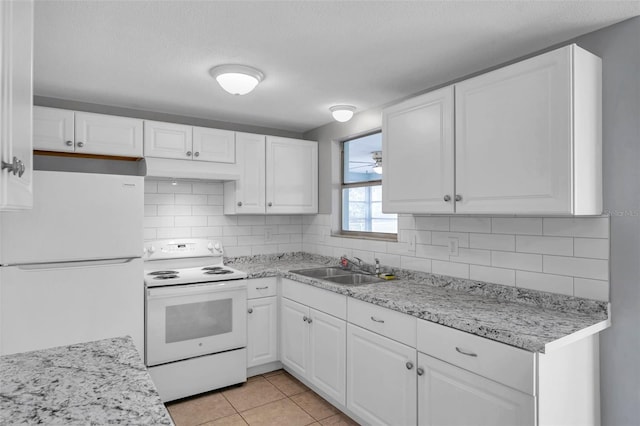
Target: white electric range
point(195, 317)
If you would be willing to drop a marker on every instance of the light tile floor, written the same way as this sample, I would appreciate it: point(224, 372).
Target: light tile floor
point(275, 398)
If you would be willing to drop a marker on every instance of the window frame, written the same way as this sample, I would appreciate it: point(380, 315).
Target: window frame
point(386, 236)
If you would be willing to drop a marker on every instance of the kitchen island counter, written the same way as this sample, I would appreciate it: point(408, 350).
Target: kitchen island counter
point(527, 319)
point(101, 382)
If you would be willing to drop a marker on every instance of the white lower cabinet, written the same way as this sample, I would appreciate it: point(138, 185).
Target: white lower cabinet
point(262, 331)
point(449, 395)
point(381, 378)
point(312, 341)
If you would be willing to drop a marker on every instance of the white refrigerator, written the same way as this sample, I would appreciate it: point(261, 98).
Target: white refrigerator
point(71, 268)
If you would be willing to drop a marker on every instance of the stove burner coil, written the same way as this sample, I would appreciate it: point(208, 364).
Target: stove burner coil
point(212, 268)
point(165, 277)
point(218, 272)
point(163, 273)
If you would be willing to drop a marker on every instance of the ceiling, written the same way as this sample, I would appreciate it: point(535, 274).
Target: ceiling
point(155, 55)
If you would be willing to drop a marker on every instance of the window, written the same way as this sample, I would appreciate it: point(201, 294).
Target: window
point(362, 189)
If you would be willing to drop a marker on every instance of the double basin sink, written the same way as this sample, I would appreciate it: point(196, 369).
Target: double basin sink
point(337, 275)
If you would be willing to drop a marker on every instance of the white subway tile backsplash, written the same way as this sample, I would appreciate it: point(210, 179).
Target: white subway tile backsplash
point(596, 269)
point(432, 223)
point(174, 210)
point(517, 225)
point(460, 270)
point(390, 260)
point(206, 232)
point(190, 199)
point(522, 261)
point(544, 245)
point(591, 289)
point(278, 220)
point(205, 210)
point(251, 220)
point(150, 210)
point(492, 242)
point(150, 186)
point(432, 252)
point(492, 275)
point(472, 256)
point(593, 227)
point(471, 224)
point(222, 220)
point(545, 282)
point(190, 221)
point(150, 234)
point(442, 238)
point(166, 187)
point(415, 263)
point(158, 222)
point(594, 248)
point(228, 231)
point(215, 200)
point(208, 188)
point(159, 199)
point(289, 229)
point(163, 233)
point(406, 221)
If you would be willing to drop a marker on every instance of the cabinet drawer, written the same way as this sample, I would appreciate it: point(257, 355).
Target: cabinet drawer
point(496, 361)
point(261, 287)
point(323, 300)
point(389, 323)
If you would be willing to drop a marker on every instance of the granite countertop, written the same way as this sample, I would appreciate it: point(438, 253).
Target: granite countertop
point(527, 319)
point(101, 382)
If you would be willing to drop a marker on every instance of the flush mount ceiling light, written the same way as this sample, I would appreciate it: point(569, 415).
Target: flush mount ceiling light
point(377, 157)
point(342, 113)
point(237, 79)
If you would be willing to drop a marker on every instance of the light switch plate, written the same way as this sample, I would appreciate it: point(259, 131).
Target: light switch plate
point(453, 246)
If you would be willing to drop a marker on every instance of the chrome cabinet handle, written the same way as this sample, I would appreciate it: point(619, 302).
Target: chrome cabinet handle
point(250, 310)
point(269, 204)
point(420, 371)
point(465, 353)
point(458, 197)
point(68, 143)
point(447, 198)
point(188, 153)
point(262, 288)
point(239, 203)
point(304, 318)
point(377, 320)
point(16, 166)
point(80, 144)
point(196, 154)
point(409, 365)
point(309, 320)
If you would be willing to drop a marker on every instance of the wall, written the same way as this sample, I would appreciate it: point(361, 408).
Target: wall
point(620, 345)
point(194, 209)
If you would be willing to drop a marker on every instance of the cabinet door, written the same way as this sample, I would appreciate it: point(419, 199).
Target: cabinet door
point(418, 154)
point(294, 336)
point(513, 138)
point(167, 140)
point(262, 331)
point(214, 145)
point(381, 378)
point(108, 135)
point(250, 189)
point(53, 129)
point(16, 100)
point(327, 354)
point(451, 396)
point(292, 176)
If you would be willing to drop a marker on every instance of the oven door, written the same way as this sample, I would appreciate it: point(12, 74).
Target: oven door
point(186, 321)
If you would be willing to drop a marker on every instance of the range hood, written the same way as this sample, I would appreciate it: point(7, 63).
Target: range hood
point(189, 169)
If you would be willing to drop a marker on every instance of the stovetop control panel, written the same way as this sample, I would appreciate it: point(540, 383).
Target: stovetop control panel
point(175, 249)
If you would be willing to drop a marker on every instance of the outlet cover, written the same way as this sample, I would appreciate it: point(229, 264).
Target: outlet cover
point(453, 246)
point(268, 234)
point(411, 246)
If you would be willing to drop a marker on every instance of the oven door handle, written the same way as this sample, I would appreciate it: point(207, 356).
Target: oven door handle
point(187, 290)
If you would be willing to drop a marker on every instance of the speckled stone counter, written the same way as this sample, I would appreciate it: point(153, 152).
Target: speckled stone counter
point(97, 383)
point(527, 319)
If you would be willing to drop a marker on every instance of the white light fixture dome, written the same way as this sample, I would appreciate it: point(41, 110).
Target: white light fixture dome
point(237, 79)
point(342, 113)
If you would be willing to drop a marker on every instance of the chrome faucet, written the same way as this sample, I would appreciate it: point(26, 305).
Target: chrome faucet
point(359, 265)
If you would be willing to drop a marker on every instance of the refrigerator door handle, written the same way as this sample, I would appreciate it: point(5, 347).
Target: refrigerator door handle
point(74, 264)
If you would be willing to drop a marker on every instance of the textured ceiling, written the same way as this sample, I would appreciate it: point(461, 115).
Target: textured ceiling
point(155, 55)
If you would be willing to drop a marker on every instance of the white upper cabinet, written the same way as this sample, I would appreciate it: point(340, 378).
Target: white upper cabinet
point(181, 142)
point(167, 140)
point(86, 133)
point(292, 176)
point(16, 95)
point(527, 141)
point(528, 137)
point(417, 146)
point(278, 176)
point(214, 145)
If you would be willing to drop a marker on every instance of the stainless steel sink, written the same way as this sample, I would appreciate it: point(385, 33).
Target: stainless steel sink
point(324, 272)
point(354, 279)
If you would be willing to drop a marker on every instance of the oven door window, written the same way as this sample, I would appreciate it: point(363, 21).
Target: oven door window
point(197, 320)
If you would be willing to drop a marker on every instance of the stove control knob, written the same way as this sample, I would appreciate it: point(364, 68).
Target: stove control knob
point(210, 246)
point(217, 247)
point(151, 249)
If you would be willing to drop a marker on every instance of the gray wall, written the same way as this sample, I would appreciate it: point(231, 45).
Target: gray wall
point(619, 48)
point(159, 116)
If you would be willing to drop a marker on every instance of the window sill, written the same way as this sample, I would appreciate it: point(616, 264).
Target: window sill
point(367, 236)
